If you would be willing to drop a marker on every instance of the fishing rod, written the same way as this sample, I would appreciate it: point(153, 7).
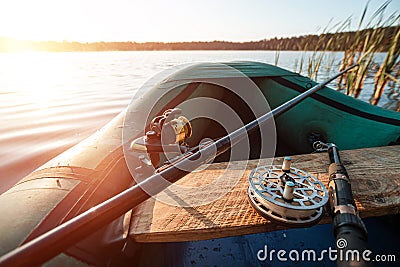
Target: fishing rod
point(55, 241)
point(349, 230)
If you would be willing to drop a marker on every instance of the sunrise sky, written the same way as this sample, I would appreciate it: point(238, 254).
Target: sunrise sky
point(173, 20)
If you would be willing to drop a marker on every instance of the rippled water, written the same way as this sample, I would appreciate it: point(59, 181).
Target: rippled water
point(52, 101)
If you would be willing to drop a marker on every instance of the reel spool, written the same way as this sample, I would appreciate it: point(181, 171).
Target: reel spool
point(287, 195)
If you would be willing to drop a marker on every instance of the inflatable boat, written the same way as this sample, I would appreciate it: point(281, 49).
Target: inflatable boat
point(104, 165)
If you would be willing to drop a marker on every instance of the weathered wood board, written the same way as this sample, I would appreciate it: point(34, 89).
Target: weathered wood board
point(374, 172)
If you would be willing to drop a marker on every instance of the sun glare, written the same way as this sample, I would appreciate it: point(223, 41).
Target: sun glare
point(44, 20)
point(34, 75)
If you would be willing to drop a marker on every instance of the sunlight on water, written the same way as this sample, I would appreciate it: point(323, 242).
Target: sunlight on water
point(37, 81)
point(52, 101)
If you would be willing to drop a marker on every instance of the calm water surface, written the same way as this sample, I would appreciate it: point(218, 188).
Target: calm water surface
point(52, 101)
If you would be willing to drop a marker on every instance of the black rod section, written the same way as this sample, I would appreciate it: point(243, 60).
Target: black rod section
point(55, 241)
point(349, 230)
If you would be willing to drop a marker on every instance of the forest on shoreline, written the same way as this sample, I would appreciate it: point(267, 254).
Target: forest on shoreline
point(300, 43)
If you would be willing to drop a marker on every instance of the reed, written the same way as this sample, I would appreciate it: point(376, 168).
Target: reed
point(393, 91)
point(389, 65)
point(277, 53)
point(361, 48)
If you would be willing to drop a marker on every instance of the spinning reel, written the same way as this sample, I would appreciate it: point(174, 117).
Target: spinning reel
point(167, 134)
point(287, 195)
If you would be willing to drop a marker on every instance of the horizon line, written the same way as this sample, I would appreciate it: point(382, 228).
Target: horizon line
point(192, 41)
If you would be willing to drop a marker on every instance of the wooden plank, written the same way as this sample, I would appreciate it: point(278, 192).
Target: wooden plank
point(374, 172)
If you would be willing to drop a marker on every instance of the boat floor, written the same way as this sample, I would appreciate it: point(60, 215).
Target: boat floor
point(374, 173)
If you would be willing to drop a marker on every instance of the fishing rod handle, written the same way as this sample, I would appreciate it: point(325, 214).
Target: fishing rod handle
point(339, 180)
point(347, 225)
point(354, 240)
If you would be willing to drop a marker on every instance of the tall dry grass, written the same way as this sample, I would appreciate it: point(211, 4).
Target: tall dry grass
point(361, 47)
point(387, 70)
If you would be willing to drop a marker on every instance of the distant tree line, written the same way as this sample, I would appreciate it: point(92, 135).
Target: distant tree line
point(306, 42)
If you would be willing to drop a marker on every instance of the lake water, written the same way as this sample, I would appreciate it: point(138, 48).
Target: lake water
point(52, 101)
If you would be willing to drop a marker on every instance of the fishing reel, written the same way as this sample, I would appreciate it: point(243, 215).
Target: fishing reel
point(167, 134)
point(287, 195)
